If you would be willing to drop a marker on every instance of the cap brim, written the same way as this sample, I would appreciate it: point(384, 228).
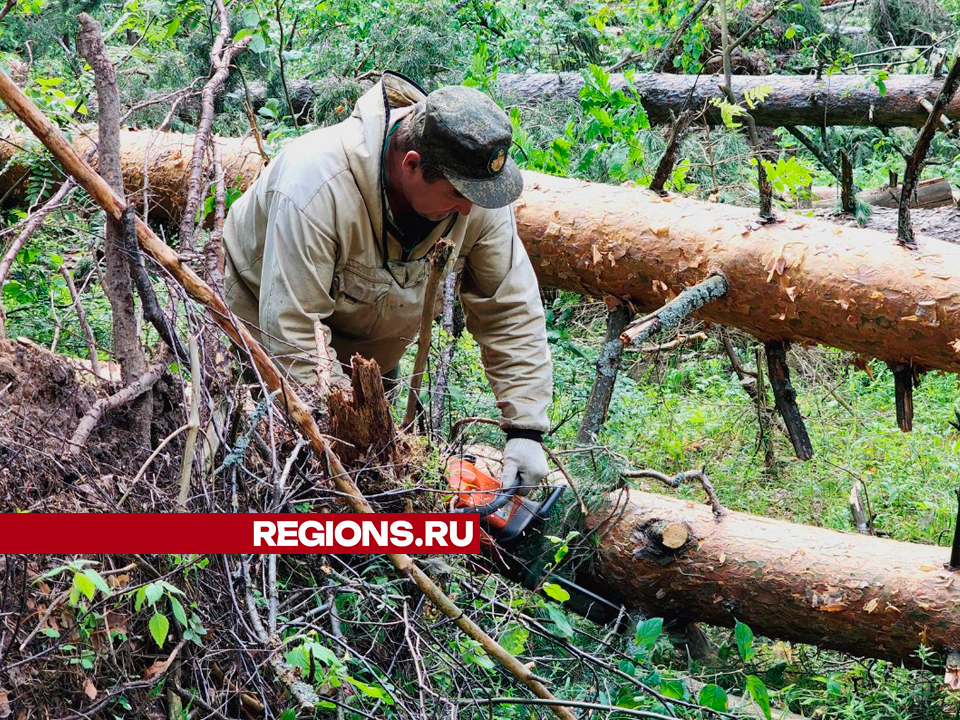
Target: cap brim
point(494, 192)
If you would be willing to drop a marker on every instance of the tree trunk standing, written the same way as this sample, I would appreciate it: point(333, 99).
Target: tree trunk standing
point(793, 99)
point(117, 283)
point(855, 593)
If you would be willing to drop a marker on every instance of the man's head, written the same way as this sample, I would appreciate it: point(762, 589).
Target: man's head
point(452, 152)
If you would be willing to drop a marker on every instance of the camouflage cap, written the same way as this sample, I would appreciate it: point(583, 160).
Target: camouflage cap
point(467, 137)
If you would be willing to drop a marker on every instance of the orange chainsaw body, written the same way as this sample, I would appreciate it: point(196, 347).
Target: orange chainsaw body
point(474, 488)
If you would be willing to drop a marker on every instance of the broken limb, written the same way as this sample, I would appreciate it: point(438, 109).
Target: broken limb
point(127, 394)
point(148, 298)
point(608, 365)
point(82, 319)
point(679, 479)
point(903, 382)
point(439, 257)
point(670, 315)
point(917, 158)
point(786, 398)
point(677, 132)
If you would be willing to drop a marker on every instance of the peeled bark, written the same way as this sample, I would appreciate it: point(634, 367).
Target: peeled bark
point(793, 99)
point(855, 593)
point(800, 279)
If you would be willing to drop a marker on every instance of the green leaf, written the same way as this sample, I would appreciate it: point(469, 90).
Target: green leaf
point(172, 27)
point(178, 611)
point(713, 697)
point(375, 691)
point(758, 691)
point(153, 592)
point(556, 592)
point(159, 627)
point(560, 621)
point(84, 584)
point(138, 601)
point(744, 638)
point(791, 31)
point(648, 632)
point(673, 689)
point(289, 714)
point(98, 581)
point(514, 640)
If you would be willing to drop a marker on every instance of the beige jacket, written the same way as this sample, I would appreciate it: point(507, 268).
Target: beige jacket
point(304, 243)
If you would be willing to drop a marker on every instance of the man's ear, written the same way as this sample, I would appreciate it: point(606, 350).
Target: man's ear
point(410, 162)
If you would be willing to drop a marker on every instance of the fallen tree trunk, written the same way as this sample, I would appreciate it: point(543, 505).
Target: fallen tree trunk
point(930, 194)
point(844, 591)
point(793, 99)
point(800, 279)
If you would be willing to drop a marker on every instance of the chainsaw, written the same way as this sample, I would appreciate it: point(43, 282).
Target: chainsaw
point(505, 514)
point(508, 518)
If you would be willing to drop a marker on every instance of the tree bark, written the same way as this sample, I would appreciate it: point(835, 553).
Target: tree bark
point(801, 279)
point(793, 99)
point(855, 593)
point(117, 279)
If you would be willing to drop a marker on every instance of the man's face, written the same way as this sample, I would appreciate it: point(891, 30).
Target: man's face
point(436, 200)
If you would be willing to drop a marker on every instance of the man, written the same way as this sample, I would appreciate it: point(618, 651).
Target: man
point(338, 229)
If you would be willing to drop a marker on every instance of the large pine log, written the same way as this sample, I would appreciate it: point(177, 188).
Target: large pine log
point(856, 593)
point(793, 100)
point(800, 279)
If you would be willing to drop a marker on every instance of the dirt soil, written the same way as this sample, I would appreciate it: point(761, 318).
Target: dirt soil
point(42, 398)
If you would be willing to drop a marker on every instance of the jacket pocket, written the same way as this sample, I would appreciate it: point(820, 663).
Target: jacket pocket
point(358, 293)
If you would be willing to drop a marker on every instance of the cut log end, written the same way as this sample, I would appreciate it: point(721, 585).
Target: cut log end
point(669, 535)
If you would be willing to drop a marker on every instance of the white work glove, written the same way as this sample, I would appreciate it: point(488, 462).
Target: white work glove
point(524, 462)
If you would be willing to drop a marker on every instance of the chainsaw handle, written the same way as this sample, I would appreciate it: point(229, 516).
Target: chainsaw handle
point(504, 495)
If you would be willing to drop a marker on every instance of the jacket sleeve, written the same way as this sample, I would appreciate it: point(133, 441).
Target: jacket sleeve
point(501, 301)
point(299, 260)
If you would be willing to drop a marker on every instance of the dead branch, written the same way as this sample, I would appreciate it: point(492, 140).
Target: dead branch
point(677, 132)
point(446, 356)
point(670, 315)
point(916, 159)
point(439, 258)
point(679, 479)
point(117, 280)
point(666, 56)
point(127, 394)
point(82, 319)
point(786, 398)
point(221, 55)
point(608, 365)
point(190, 446)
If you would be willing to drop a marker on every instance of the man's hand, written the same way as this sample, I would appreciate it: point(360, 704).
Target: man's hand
point(524, 464)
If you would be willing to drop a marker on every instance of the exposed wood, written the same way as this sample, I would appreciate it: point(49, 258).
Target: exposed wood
point(364, 418)
point(855, 593)
point(786, 398)
point(858, 508)
point(918, 158)
point(608, 365)
point(297, 410)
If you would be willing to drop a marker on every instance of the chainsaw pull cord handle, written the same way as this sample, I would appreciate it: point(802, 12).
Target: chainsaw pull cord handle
point(504, 495)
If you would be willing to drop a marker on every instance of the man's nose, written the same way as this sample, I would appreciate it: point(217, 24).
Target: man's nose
point(464, 207)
